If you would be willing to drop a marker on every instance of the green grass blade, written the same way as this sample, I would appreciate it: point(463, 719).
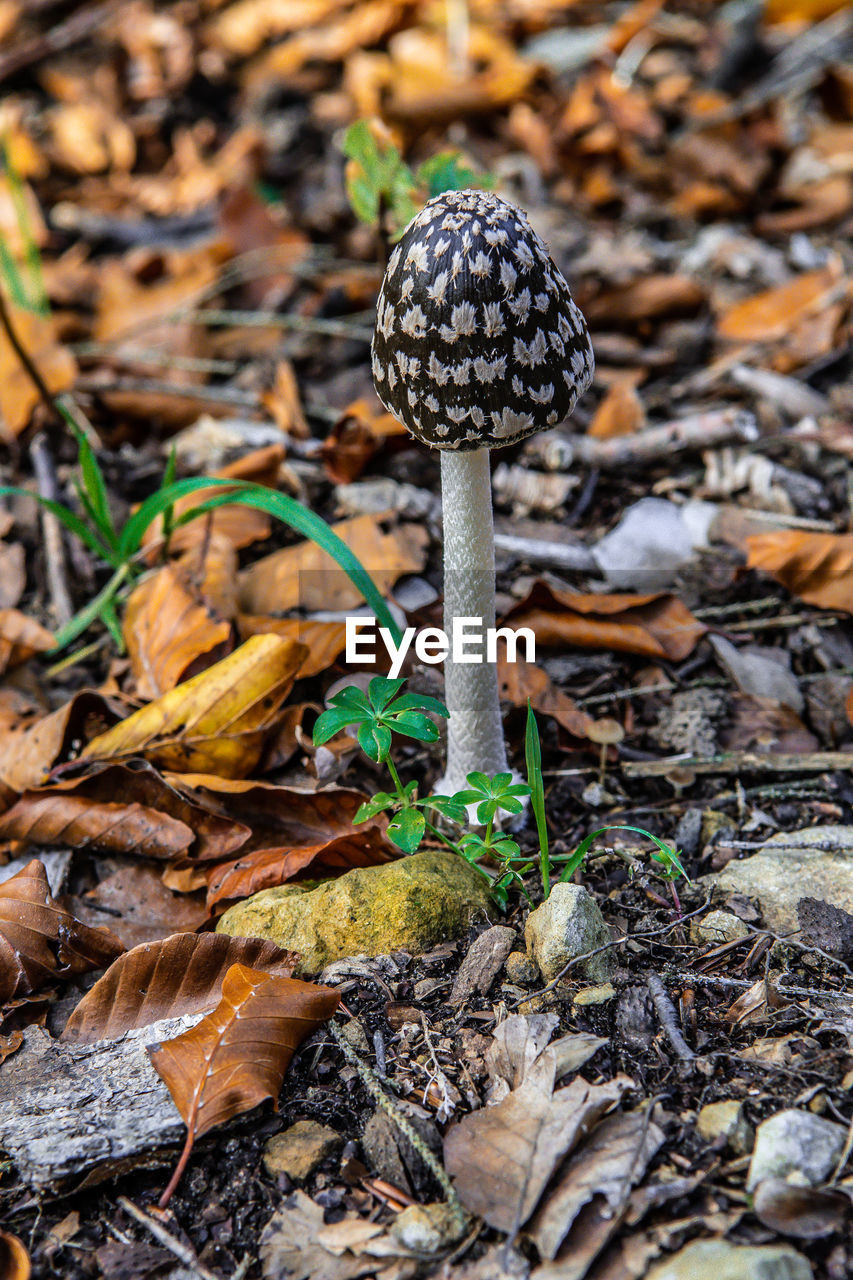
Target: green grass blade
point(95, 488)
point(533, 760)
point(72, 522)
point(101, 606)
point(288, 510)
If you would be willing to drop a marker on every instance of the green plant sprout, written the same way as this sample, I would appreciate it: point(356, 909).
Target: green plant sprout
point(383, 711)
point(379, 181)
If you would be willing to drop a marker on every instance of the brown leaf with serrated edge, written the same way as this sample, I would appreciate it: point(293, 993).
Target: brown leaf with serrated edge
point(216, 722)
point(21, 638)
point(518, 681)
point(40, 940)
point(817, 567)
point(57, 818)
point(501, 1157)
point(216, 835)
point(266, 868)
point(325, 641)
point(14, 1259)
point(178, 620)
point(773, 313)
point(29, 751)
point(655, 626)
point(306, 576)
point(236, 1057)
point(165, 979)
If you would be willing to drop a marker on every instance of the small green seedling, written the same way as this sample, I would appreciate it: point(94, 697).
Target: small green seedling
point(379, 181)
point(382, 711)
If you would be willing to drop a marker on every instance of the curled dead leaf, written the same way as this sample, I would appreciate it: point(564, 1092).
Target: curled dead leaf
point(817, 567)
point(40, 940)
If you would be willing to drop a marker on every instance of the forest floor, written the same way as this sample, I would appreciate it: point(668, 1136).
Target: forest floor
point(182, 267)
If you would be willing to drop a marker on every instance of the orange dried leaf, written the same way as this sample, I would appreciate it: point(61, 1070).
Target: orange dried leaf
point(236, 1057)
point(817, 567)
point(20, 638)
point(620, 413)
point(772, 314)
point(180, 617)
point(656, 626)
point(217, 721)
point(40, 940)
point(18, 395)
point(521, 680)
point(325, 641)
point(14, 1259)
point(178, 975)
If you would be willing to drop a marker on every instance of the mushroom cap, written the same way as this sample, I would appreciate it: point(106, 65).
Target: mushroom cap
point(478, 342)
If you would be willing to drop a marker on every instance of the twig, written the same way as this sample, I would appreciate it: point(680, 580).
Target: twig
point(374, 1087)
point(565, 555)
point(668, 1018)
point(743, 984)
point(231, 396)
point(182, 1252)
point(557, 452)
point(54, 549)
point(741, 762)
point(275, 320)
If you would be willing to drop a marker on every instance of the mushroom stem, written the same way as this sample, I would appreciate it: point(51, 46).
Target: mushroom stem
point(475, 739)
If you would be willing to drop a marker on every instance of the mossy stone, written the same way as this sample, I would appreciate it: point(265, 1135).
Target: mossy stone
point(408, 905)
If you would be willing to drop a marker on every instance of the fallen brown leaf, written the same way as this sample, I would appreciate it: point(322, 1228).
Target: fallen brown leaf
point(214, 722)
point(57, 818)
point(216, 835)
point(20, 638)
point(165, 979)
point(611, 1161)
point(773, 313)
point(501, 1157)
point(656, 626)
point(30, 749)
point(620, 413)
point(18, 394)
point(306, 576)
point(354, 439)
point(518, 681)
point(817, 567)
point(178, 619)
point(325, 641)
point(265, 868)
point(236, 1057)
point(138, 906)
point(40, 940)
point(808, 1213)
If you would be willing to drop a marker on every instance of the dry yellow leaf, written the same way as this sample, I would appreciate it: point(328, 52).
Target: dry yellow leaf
point(18, 395)
point(217, 721)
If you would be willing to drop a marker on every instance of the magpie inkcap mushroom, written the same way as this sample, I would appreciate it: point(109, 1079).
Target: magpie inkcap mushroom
point(477, 345)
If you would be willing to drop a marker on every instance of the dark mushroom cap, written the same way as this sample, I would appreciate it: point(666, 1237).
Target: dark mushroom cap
point(477, 342)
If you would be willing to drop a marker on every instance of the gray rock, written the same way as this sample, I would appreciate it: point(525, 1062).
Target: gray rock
point(652, 541)
point(409, 905)
point(301, 1149)
point(816, 862)
point(725, 1120)
point(795, 1142)
point(521, 970)
point(426, 1228)
point(567, 925)
point(719, 1260)
point(760, 672)
point(719, 926)
point(480, 966)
